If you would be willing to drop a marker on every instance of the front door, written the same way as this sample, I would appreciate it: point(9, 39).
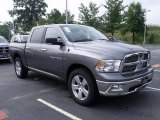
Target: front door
point(52, 55)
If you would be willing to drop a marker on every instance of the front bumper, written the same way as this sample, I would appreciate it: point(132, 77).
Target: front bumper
point(4, 56)
point(124, 87)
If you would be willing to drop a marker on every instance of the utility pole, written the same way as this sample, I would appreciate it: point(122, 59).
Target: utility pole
point(9, 32)
point(14, 30)
point(66, 11)
point(145, 24)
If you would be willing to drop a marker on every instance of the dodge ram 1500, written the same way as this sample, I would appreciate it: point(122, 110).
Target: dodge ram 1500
point(84, 58)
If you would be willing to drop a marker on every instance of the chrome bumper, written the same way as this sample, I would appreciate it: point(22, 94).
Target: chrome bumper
point(4, 56)
point(7, 58)
point(123, 88)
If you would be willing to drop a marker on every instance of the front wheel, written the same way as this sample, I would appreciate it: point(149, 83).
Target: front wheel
point(20, 70)
point(82, 87)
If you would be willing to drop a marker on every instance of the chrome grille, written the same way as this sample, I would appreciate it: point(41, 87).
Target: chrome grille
point(4, 50)
point(129, 68)
point(132, 58)
point(135, 62)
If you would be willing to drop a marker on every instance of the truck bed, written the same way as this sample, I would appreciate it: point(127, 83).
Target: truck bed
point(18, 48)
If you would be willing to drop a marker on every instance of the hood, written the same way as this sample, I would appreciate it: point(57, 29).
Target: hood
point(105, 49)
point(4, 44)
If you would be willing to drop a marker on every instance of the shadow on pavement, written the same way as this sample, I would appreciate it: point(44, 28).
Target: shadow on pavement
point(3, 62)
point(44, 79)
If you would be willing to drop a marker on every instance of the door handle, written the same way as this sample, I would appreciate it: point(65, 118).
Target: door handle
point(43, 49)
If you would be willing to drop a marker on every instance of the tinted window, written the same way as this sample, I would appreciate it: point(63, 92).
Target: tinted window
point(37, 35)
point(52, 33)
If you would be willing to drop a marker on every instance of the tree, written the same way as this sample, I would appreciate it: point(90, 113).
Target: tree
point(89, 14)
point(28, 12)
point(42, 21)
point(5, 30)
point(113, 16)
point(57, 17)
point(70, 17)
point(134, 22)
point(10, 25)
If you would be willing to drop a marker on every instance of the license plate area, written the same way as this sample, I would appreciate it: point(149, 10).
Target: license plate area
point(4, 56)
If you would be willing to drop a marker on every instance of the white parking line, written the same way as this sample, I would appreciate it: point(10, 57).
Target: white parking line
point(35, 93)
point(157, 89)
point(59, 110)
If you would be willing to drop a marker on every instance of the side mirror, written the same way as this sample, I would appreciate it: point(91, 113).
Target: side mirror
point(55, 41)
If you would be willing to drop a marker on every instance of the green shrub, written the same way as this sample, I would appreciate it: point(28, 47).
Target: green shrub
point(151, 38)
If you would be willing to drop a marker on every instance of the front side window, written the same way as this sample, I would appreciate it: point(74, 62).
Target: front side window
point(52, 33)
point(37, 35)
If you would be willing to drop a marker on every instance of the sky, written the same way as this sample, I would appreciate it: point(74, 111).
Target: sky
point(153, 17)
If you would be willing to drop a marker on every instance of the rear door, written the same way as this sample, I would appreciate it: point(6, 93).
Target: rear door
point(33, 50)
point(52, 55)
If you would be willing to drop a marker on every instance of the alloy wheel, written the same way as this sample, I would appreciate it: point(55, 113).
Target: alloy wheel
point(80, 87)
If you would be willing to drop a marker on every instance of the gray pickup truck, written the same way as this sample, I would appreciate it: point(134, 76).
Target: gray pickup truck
point(84, 58)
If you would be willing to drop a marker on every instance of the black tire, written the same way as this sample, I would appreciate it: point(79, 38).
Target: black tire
point(92, 87)
point(23, 72)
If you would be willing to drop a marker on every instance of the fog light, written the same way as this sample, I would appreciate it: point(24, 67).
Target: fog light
point(116, 88)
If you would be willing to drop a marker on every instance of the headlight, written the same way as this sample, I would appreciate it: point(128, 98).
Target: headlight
point(108, 65)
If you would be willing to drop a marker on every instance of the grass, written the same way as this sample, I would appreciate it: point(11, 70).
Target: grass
point(152, 36)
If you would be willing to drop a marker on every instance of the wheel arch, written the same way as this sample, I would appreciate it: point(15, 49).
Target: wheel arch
point(76, 66)
point(15, 55)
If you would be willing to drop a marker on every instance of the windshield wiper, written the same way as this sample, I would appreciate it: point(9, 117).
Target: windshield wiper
point(83, 40)
point(103, 39)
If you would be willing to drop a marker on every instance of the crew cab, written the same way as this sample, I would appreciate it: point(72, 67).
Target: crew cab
point(85, 59)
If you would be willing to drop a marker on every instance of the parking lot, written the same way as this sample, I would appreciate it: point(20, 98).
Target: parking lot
point(44, 98)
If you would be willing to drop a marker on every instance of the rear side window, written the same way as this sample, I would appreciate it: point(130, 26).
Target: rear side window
point(37, 35)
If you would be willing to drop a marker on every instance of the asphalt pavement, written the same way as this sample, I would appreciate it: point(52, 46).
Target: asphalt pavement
point(39, 97)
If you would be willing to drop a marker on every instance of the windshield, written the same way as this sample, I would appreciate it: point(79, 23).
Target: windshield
point(3, 40)
point(79, 33)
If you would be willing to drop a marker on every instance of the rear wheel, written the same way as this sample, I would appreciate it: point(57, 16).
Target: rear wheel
point(20, 70)
point(81, 86)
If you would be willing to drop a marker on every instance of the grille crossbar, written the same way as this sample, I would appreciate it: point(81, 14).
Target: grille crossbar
point(135, 62)
point(4, 50)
